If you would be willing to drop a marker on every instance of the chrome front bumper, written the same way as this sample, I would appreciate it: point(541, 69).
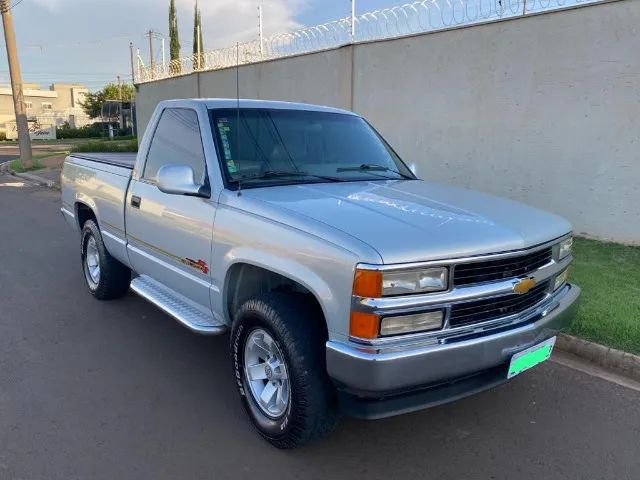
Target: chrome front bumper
point(365, 371)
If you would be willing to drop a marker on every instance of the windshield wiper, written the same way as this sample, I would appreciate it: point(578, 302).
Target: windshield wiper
point(365, 167)
point(283, 173)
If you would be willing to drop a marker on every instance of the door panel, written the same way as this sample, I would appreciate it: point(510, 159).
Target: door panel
point(170, 236)
point(170, 239)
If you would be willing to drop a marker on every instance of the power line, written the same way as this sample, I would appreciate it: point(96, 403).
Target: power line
point(9, 7)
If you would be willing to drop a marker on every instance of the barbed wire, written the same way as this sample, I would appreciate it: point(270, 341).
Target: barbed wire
point(410, 18)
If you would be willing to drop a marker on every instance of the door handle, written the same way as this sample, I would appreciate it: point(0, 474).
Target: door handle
point(135, 201)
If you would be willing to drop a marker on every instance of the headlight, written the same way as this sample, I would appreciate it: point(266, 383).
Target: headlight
point(418, 322)
point(376, 283)
point(414, 281)
point(565, 248)
point(561, 279)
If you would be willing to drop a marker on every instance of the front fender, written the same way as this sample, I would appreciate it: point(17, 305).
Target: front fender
point(286, 267)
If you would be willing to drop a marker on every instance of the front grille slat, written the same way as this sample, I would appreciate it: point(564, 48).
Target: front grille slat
point(486, 271)
point(463, 270)
point(492, 308)
point(496, 304)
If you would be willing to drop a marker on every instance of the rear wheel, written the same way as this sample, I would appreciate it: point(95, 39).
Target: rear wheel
point(277, 348)
point(106, 277)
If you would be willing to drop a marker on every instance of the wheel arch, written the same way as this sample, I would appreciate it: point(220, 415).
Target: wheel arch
point(83, 213)
point(246, 278)
point(85, 209)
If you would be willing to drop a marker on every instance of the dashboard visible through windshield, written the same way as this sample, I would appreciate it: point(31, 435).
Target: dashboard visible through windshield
point(275, 146)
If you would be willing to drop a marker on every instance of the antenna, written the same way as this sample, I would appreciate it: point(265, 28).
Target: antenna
point(238, 114)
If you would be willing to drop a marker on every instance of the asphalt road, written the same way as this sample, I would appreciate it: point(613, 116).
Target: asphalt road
point(117, 390)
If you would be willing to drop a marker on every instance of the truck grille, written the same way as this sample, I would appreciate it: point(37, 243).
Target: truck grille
point(479, 272)
point(478, 311)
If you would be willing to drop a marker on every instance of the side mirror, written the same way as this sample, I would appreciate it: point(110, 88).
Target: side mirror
point(179, 180)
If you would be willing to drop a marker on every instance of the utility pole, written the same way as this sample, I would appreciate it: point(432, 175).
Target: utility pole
point(150, 35)
point(24, 140)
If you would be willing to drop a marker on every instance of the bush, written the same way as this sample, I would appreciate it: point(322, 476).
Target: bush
point(3, 136)
point(95, 130)
point(107, 146)
point(88, 131)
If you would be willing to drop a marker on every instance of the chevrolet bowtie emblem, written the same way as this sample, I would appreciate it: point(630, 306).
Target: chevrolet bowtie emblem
point(524, 285)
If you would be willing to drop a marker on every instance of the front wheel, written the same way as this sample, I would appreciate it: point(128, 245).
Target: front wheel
point(277, 348)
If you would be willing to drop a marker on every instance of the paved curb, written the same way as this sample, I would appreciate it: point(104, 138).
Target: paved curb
point(4, 166)
point(37, 179)
point(627, 364)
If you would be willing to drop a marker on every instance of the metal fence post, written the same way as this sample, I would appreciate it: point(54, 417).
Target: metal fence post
point(260, 31)
point(353, 21)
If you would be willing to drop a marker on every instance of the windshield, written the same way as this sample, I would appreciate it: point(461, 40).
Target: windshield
point(274, 146)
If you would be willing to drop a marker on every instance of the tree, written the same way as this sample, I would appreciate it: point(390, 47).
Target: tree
point(93, 101)
point(174, 40)
point(198, 48)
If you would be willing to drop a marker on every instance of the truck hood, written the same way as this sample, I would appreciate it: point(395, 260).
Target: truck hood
point(408, 221)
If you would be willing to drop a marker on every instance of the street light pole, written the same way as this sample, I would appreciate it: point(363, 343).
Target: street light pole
point(24, 141)
point(133, 72)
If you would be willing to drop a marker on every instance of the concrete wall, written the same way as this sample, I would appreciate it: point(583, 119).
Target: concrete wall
point(150, 94)
point(323, 78)
point(543, 109)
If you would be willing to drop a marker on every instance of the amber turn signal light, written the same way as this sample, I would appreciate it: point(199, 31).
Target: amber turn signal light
point(367, 283)
point(364, 325)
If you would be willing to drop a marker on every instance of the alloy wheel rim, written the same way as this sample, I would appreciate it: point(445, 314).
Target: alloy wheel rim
point(266, 373)
point(92, 261)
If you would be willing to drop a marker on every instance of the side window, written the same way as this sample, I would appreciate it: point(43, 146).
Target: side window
point(176, 140)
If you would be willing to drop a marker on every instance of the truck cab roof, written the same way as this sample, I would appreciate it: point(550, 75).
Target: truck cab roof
point(216, 103)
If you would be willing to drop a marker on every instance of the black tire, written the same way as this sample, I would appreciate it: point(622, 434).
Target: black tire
point(114, 277)
point(296, 325)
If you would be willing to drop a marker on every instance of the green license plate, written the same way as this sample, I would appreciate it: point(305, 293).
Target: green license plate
point(530, 357)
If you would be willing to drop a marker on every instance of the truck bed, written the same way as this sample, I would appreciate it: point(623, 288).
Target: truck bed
point(100, 181)
point(126, 160)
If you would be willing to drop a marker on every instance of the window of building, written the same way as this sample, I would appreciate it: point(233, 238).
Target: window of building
point(47, 106)
point(176, 140)
point(28, 104)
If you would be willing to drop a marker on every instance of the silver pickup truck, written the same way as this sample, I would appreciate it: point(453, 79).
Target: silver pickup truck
point(349, 286)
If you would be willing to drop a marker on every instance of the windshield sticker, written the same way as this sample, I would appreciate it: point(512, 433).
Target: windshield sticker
point(231, 166)
point(223, 129)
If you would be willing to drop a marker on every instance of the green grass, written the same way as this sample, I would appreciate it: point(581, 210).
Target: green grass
point(16, 165)
point(609, 275)
point(130, 145)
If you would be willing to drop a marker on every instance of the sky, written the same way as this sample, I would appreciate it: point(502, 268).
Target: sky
point(87, 41)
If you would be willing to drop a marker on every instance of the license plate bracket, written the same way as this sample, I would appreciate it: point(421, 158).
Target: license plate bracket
point(531, 357)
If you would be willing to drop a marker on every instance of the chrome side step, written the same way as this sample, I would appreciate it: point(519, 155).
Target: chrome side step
point(178, 306)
